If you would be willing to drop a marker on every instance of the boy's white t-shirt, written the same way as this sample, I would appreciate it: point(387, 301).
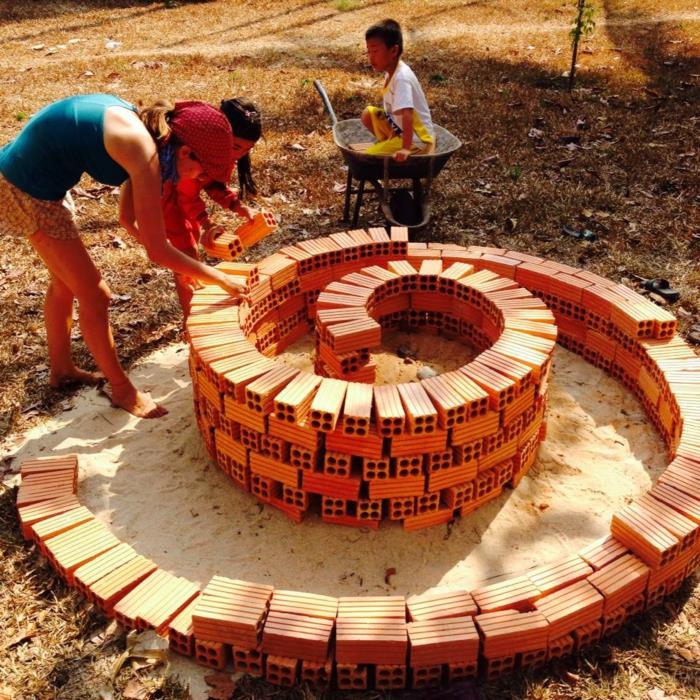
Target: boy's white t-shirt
point(404, 91)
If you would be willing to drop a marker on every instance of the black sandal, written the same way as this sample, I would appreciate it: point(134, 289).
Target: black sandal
point(660, 286)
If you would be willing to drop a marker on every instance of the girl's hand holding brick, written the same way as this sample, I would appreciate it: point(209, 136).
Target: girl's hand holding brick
point(244, 211)
point(211, 233)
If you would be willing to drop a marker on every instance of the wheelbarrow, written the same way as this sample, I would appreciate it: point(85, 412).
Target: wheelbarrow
point(400, 205)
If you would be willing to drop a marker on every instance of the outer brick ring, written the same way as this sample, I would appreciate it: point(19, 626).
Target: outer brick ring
point(390, 642)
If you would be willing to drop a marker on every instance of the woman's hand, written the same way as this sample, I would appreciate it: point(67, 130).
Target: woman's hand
point(228, 283)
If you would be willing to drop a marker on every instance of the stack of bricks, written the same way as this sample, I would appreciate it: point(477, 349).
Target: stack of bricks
point(297, 638)
point(544, 613)
point(420, 453)
point(371, 643)
point(227, 622)
point(444, 641)
point(231, 244)
point(511, 639)
point(155, 601)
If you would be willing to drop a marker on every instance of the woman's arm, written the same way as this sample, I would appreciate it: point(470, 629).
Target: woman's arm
point(128, 142)
point(127, 216)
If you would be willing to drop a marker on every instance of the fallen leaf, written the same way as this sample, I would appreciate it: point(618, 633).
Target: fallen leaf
point(25, 635)
point(221, 692)
point(85, 194)
point(38, 47)
point(215, 679)
point(686, 654)
point(296, 147)
point(135, 690)
point(153, 65)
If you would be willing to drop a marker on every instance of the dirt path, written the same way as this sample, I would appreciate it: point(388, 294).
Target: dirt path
point(307, 29)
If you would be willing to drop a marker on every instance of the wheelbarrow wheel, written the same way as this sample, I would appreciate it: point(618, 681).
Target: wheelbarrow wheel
point(403, 208)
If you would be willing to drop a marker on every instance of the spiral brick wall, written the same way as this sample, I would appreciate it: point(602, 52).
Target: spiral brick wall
point(267, 428)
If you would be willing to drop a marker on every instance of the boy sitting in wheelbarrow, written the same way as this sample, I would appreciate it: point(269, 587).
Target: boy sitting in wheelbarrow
point(403, 126)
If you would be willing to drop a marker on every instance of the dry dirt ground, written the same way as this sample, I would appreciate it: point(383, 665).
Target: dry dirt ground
point(618, 156)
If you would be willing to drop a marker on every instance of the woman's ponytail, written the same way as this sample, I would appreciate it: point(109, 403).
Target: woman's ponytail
point(156, 119)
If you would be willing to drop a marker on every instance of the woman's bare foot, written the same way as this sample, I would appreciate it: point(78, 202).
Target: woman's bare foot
point(136, 402)
point(74, 377)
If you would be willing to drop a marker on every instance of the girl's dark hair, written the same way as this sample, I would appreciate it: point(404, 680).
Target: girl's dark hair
point(245, 121)
point(389, 31)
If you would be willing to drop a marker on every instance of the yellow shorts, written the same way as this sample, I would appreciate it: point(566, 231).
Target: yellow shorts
point(23, 215)
point(387, 141)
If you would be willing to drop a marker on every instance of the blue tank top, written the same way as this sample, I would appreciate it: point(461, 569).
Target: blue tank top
point(59, 144)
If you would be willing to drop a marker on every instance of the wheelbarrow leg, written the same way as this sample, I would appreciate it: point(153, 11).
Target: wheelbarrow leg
point(348, 193)
point(417, 197)
point(358, 203)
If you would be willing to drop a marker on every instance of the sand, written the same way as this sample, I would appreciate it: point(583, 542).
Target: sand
point(152, 483)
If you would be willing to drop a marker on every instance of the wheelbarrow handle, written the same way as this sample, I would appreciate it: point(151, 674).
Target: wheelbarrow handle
point(326, 102)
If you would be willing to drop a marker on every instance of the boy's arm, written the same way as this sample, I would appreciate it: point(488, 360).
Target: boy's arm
point(406, 117)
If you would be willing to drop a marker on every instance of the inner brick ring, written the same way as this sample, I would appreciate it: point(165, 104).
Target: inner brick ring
point(334, 442)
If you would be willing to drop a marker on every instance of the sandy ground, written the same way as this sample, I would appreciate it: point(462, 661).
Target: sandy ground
point(153, 484)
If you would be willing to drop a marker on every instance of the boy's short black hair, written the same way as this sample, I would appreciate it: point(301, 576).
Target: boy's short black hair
point(389, 31)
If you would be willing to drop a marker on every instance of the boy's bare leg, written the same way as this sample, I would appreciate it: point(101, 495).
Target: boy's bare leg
point(58, 317)
point(69, 262)
point(367, 121)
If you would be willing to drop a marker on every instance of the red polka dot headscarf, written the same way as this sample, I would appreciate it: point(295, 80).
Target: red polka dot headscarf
point(208, 133)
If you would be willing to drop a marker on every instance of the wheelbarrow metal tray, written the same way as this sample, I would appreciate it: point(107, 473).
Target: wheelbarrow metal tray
point(370, 167)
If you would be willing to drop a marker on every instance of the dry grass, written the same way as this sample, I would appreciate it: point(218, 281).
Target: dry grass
point(492, 72)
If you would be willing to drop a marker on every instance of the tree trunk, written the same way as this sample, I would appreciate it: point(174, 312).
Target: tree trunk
point(577, 35)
